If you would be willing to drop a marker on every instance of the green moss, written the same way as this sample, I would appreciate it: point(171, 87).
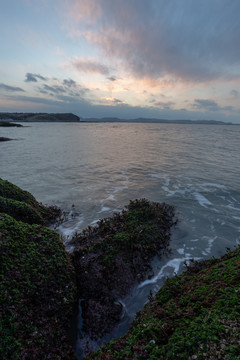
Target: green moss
point(142, 227)
point(37, 287)
point(20, 211)
point(37, 292)
point(193, 316)
point(23, 206)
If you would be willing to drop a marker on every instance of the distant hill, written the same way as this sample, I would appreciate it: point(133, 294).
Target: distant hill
point(69, 117)
point(39, 117)
point(153, 120)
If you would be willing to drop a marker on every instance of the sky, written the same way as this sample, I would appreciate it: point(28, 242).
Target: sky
point(166, 59)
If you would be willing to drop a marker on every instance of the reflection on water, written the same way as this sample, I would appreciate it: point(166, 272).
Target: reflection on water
point(99, 167)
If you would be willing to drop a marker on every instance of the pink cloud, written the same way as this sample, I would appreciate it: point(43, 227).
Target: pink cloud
point(90, 66)
point(162, 38)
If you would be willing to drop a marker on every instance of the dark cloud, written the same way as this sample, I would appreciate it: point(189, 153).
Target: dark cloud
point(228, 108)
point(164, 105)
point(34, 77)
point(234, 93)
point(10, 88)
point(117, 101)
point(112, 78)
point(90, 66)
point(204, 104)
point(189, 40)
point(37, 100)
point(69, 82)
point(210, 105)
point(69, 88)
point(56, 89)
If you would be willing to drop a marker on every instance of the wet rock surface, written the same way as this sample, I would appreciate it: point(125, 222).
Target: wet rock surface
point(111, 256)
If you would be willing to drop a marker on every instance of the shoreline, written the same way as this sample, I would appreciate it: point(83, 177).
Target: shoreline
point(195, 315)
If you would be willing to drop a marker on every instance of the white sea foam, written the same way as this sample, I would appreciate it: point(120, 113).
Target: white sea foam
point(174, 264)
point(67, 230)
point(233, 207)
point(94, 222)
point(104, 208)
point(111, 197)
point(210, 243)
point(221, 222)
point(201, 199)
point(180, 251)
point(218, 186)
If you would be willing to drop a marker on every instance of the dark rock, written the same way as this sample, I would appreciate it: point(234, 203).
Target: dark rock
point(109, 258)
point(4, 139)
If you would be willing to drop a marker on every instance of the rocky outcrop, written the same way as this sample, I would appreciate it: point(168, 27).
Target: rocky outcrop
point(193, 316)
point(4, 139)
point(9, 124)
point(111, 256)
point(37, 284)
point(21, 205)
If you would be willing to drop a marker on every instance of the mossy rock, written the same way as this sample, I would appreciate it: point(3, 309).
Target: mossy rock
point(110, 257)
point(31, 212)
point(37, 292)
point(194, 316)
point(20, 211)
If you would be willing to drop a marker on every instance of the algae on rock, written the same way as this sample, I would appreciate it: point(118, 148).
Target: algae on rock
point(108, 259)
point(26, 207)
point(194, 316)
point(37, 288)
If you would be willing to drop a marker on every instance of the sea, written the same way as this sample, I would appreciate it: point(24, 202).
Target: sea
point(92, 170)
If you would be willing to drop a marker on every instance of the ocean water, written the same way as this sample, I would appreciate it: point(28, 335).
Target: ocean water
point(99, 167)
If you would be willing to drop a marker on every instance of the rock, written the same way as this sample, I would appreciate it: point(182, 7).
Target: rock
point(23, 206)
point(193, 316)
point(111, 256)
point(4, 139)
point(37, 284)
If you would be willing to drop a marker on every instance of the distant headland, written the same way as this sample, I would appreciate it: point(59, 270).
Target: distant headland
point(39, 117)
point(69, 117)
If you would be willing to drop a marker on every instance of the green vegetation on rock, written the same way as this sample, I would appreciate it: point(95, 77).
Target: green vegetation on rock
point(110, 257)
point(194, 316)
point(23, 206)
point(40, 117)
point(37, 287)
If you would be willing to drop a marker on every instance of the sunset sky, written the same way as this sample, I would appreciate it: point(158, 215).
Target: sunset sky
point(169, 59)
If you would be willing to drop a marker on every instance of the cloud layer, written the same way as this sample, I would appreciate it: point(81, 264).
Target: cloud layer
point(8, 88)
point(127, 58)
point(188, 40)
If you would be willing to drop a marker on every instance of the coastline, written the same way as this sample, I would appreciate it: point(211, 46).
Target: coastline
point(195, 315)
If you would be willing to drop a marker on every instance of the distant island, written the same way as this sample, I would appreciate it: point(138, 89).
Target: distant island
point(39, 117)
point(69, 117)
point(160, 121)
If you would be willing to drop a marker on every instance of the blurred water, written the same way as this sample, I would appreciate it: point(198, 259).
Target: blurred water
point(99, 167)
